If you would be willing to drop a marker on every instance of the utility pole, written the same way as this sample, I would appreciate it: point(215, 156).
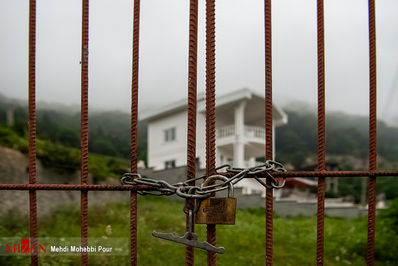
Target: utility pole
point(10, 115)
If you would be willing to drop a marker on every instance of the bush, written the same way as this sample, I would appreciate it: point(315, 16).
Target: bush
point(102, 167)
point(54, 155)
point(331, 195)
point(9, 138)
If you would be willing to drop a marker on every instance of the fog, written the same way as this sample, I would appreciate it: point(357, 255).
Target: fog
point(163, 72)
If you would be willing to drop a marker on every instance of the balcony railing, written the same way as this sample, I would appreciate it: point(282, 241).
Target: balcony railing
point(249, 132)
point(225, 131)
point(254, 132)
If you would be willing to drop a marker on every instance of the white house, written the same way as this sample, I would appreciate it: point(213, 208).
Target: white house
point(240, 132)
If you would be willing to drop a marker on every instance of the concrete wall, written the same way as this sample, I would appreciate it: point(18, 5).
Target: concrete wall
point(293, 208)
point(13, 170)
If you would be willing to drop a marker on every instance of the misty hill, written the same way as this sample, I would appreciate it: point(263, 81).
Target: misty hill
point(109, 133)
point(346, 135)
point(296, 143)
point(347, 143)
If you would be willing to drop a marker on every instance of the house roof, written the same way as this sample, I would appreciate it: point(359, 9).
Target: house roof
point(222, 101)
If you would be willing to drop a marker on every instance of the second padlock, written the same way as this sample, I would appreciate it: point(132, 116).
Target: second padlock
point(216, 210)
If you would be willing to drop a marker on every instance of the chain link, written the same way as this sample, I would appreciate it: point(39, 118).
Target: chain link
point(183, 190)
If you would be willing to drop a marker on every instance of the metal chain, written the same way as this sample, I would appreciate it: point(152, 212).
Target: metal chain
point(183, 190)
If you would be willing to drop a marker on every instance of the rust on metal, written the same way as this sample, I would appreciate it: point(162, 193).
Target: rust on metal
point(84, 130)
point(134, 132)
point(210, 113)
point(210, 89)
point(76, 187)
point(192, 106)
point(372, 134)
point(329, 174)
point(32, 128)
point(268, 131)
point(321, 135)
point(84, 187)
point(152, 188)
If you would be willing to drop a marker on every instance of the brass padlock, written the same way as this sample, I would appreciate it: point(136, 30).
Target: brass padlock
point(217, 210)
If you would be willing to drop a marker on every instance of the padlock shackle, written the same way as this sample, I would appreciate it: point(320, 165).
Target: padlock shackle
point(222, 178)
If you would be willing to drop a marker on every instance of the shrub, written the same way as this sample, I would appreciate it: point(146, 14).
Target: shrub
point(54, 155)
point(9, 138)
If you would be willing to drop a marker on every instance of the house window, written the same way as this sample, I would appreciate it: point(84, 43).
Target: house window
point(169, 164)
point(170, 134)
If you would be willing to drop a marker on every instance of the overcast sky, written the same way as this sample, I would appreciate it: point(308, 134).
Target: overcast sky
point(164, 51)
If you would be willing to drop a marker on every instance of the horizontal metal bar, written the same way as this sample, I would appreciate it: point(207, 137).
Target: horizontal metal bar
point(152, 188)
point(75, 187)
point(324, 174)
point(335, 174)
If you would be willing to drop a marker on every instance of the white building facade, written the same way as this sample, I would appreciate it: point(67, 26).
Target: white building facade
point(240, 132)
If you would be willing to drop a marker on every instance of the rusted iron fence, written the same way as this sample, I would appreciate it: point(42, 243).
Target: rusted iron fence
point(84, 187)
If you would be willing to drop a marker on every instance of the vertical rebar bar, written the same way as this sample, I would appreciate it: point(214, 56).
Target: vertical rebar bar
point(268, 130)
point(210, 112)
point(321, 135)
point(134, 132)
point(32, 128)
point(372, 134)
point(192, 98)
point(84, 129)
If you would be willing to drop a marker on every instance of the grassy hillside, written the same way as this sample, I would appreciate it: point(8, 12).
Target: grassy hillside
point(294, 238)
point(63, 158)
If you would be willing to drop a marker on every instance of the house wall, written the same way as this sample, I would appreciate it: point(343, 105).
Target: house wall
point(160, 150)
point(201, 139)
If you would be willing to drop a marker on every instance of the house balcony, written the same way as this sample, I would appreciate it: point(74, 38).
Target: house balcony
point(251, 133)
point(253, 140)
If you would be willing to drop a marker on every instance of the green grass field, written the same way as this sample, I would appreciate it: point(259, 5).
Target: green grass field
point(294, 238)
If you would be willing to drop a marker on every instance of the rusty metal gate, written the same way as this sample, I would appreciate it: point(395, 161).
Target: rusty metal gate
point(84, 187)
